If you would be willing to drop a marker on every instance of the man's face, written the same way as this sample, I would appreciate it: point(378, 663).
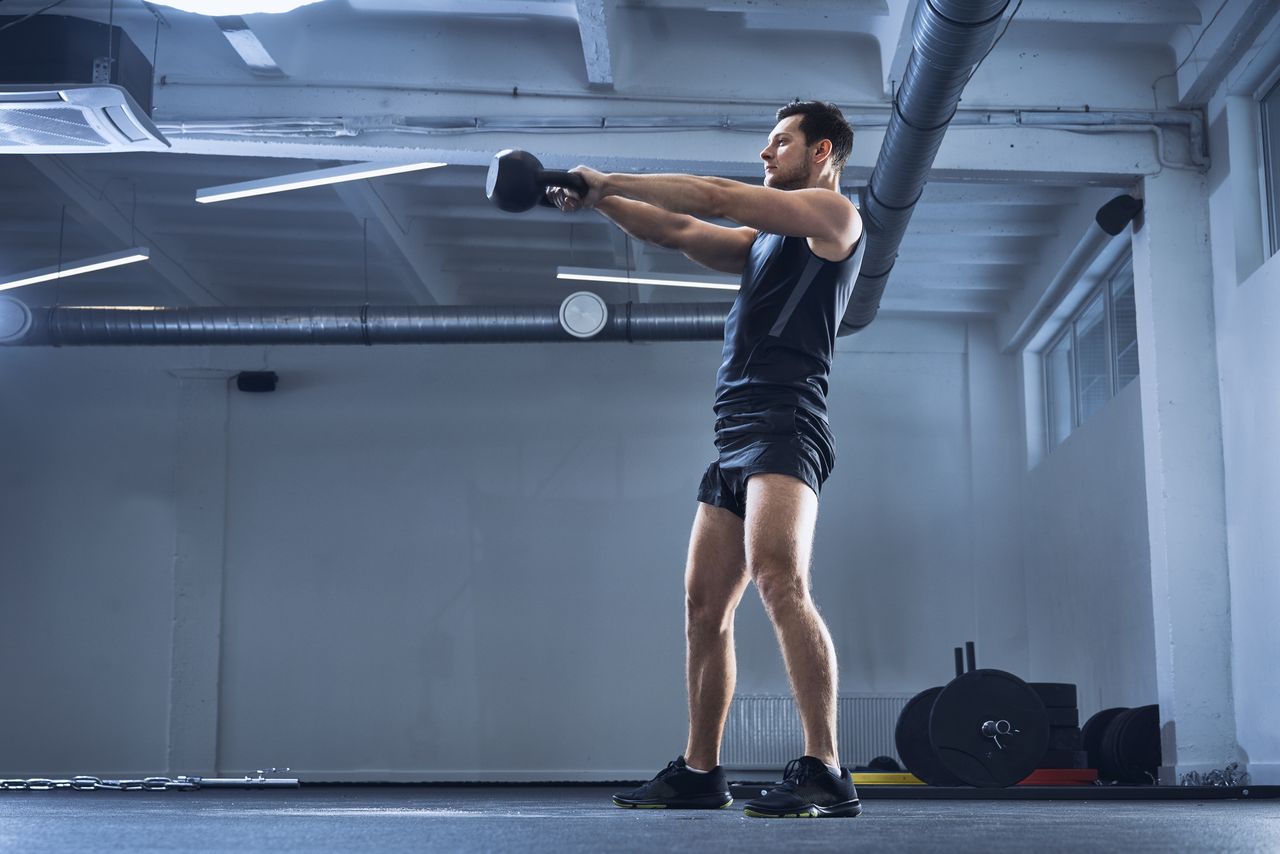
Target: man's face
point(788, 164)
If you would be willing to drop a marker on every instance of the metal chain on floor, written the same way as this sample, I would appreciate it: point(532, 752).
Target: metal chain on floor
point(150, 784)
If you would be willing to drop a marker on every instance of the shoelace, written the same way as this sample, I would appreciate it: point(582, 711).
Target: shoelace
point(671, 767)
point(796, 774)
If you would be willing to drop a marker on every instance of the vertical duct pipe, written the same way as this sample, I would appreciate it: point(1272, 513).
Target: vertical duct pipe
point(948, 38)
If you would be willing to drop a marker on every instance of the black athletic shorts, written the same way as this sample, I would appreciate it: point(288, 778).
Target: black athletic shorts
point(778, 440)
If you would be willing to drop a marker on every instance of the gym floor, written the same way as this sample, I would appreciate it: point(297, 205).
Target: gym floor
point(582, 819)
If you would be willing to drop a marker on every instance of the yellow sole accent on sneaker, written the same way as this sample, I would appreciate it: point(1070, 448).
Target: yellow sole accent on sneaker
point(754, 814)
point(659, 806)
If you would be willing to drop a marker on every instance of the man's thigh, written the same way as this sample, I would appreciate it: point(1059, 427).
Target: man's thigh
point(782, 512)
point(716, 569)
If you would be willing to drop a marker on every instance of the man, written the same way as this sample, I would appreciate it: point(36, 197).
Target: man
point(798, 250)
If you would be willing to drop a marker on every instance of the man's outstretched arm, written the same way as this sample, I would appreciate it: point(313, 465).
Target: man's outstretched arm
point(721, 249)
point(823, 216)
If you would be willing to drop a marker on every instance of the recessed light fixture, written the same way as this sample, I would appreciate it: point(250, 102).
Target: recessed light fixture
point(75, 268)
point(621, 277)
point(234, 7)
point(300, 180)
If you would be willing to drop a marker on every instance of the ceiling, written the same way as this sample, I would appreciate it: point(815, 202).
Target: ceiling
point(593, 81)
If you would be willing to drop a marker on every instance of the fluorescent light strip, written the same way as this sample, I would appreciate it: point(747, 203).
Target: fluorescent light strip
point(299, 180)
point(235, 7)
point(587, 274)
point(75, 268)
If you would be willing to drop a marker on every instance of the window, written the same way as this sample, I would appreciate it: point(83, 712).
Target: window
point(1271, 160)
point(1094, 357)
point(1124, 325)
point(1060, 389)
point(1092, 364)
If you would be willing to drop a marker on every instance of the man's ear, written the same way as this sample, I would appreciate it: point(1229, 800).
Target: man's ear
point(823, 151)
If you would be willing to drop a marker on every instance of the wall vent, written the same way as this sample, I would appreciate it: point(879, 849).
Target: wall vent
point(763, 731)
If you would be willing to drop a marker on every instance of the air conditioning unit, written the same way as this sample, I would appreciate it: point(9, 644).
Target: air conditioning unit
point(68, 85)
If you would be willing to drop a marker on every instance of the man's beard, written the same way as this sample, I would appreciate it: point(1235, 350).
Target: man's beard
point(796, 180)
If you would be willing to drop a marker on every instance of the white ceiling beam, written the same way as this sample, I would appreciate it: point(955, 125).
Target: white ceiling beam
point(624, 248)
point(792, 8)
point(594, 18)
point(489, 213)
point(893, 32)
point(970, 223)
point(1142, 13)
point(1226, 38)
point(966, 251)
point(989, 153)
point(249, 232)
point(969, 193)
point(499, 8)
point(248, 47)
point(392, 231)
point(93, 209)
point(990, 259)
point(897, 301)
point(938, 275)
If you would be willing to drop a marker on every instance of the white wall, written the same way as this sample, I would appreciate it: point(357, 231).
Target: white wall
point(1088, 562)
point(454, 560)
point(1247, 311)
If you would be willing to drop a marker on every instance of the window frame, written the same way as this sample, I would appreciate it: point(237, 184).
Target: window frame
point(1126, 260)
point(1068, 329)
point(1270, 153)
point(1106, 289)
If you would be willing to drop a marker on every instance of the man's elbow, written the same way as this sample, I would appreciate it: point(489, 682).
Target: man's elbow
point(720, 199)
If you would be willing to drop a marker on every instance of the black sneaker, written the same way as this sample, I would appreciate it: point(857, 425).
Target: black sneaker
point(676, 787)
point(808, 790)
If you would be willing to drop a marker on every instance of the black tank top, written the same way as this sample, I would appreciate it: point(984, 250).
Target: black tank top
point(780, 334)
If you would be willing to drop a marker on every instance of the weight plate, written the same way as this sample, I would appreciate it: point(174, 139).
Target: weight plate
point(1063, 717)
point(1093, 731)
point(1065, 738)
point(1056, 695)
point(886, 764)
point(1012, 713)
point(1109, 753)
point(911, 736)
point(1138, 746)
point(1064, 759)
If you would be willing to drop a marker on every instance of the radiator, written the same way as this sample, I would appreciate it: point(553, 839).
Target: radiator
point(763, 730)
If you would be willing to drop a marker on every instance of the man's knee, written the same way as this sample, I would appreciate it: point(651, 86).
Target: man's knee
point(710, 608)
point(781, 585)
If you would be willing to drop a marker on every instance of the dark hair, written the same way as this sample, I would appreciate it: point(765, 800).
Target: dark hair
point(822, 120)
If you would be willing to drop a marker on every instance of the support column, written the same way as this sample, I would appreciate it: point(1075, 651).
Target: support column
point(1186, 505)
point(200, 497)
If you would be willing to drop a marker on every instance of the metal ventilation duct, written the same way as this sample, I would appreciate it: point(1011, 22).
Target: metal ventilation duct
point(948, 38)
point(61, 326)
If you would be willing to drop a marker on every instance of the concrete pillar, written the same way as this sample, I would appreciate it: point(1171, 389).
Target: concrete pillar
point(200, 497)
point(1186, 507)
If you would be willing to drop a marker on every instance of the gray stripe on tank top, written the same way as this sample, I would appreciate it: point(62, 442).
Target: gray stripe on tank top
point(797, 293)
